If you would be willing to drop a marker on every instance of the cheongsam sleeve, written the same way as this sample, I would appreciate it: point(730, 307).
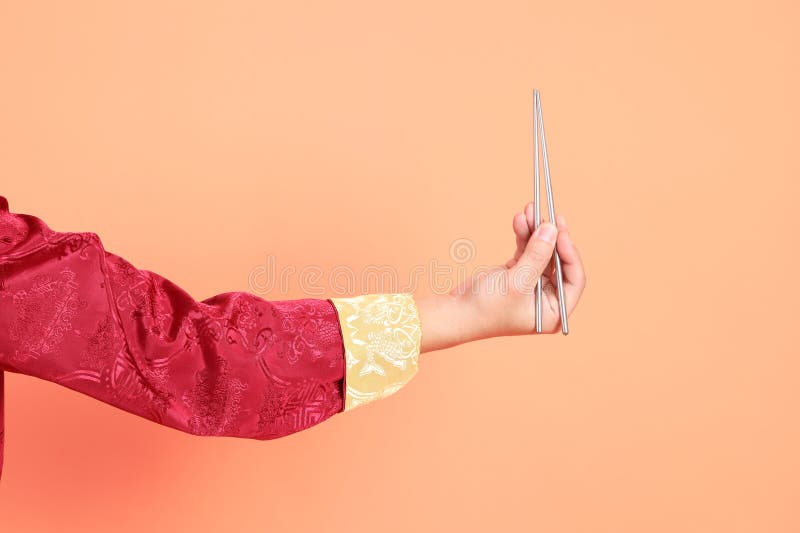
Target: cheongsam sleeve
point(233, 364)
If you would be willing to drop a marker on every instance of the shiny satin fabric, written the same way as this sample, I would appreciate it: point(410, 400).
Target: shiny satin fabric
point(231, 365)
point(382, 336)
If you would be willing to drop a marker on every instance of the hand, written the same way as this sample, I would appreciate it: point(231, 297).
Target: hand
point(506, 297)
point(501, 301)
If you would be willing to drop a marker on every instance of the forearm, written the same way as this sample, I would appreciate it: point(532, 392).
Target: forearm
point(449, 320)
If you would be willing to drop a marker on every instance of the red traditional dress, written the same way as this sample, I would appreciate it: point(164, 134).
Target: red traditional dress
point(232, 365)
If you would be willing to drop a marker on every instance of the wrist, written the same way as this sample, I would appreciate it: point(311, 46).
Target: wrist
point(449, 320)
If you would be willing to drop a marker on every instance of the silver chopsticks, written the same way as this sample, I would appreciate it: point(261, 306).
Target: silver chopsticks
point(538, 131)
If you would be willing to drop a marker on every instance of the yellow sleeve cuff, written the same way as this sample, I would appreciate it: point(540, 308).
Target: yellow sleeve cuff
point(381, 334)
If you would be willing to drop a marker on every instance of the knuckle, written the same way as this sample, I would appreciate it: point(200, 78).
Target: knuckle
point(538, 256)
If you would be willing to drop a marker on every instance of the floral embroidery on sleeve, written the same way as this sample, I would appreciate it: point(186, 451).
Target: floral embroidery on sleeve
point(381, 334)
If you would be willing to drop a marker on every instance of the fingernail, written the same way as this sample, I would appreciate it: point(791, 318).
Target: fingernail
point(547, 232)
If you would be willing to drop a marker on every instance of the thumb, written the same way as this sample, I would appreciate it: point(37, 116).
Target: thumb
point(538, 251)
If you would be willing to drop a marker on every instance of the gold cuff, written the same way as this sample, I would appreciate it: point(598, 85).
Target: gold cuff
point(381, 334)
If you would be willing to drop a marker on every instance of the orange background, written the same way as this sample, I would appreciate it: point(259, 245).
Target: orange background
point(196, 138)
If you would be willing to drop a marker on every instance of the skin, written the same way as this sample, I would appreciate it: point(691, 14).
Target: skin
point(501, 301)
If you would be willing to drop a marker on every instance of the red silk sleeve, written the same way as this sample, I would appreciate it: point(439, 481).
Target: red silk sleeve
point(231, 365)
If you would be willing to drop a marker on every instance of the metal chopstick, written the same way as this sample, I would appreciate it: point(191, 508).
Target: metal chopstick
point(536, 210)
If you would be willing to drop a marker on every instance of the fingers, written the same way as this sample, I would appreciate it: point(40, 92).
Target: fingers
point(523, 228)
point(522, 234)
point(571, 264)
point(521, 224)
point(529, 216)
point(538, 252)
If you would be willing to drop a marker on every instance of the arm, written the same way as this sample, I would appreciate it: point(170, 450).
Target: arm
point(235, 364)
